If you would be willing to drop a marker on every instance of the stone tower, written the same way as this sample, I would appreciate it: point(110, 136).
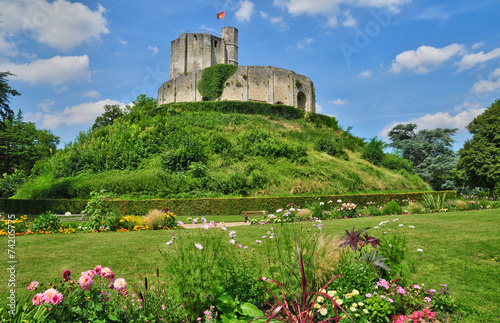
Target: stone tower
point(230, 37)
point(192, 52)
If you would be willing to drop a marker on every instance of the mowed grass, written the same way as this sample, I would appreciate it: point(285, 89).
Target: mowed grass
point(458, 248)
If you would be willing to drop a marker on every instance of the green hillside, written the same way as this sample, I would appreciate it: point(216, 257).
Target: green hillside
point(214, 149)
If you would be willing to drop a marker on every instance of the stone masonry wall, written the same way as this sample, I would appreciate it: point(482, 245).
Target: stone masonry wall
point(249, 83)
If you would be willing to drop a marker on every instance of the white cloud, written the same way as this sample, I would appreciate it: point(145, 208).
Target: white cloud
point(92, 94)
point(275, 20)
point(60, 24)
point(82, 114)
point(365, 74)
point(154, 49)
point(478, 45)
point(471, 60)
point(55, 70)
point(319, 108)
point(6, 48)
point(466, 106)
point(301, 44)
point(331, 9)
point(425, 58)
point(244, 13)
point(440, 120)
point(340, 101)
point(62, 89)
point(490, 85)
point(46, 105)
point(349, 21)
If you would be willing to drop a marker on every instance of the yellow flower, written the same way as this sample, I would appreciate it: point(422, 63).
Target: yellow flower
point(348, 296)
point(355, 292)
point(365, 311)
point(357, 315)
point(317, 305)
point(354, 305)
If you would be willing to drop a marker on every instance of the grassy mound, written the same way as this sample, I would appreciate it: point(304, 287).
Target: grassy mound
point(213, 149)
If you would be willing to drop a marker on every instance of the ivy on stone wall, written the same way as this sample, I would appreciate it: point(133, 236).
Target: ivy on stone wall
point(213, 79)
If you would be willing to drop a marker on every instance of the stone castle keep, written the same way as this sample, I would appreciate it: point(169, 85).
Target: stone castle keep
point(191, 53)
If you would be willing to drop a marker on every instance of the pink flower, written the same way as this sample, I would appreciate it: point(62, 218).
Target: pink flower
point(198, 246)
point(52, 296)
point(32, 285)
point(38, 299)
point(120, 284)
point(97, 270)
point(90, 273)
point(107, 273)
point(240, 245)
point(66, 275)
point(427, 299)
point(232, 241)
point(401, 290)
point(86, 282)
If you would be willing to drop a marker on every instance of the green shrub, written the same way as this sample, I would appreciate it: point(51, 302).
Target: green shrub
point(394, 246)
point(374, 151)
point(392, 208)
point(331, 147)
point(100, 212)
point(435, 202)
point(374, 211)
point(47, 222)
point(393, 161)
point(355, 274)
point(190, 150)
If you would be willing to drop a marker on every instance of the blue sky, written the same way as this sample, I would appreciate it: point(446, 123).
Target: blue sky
point(374, 63)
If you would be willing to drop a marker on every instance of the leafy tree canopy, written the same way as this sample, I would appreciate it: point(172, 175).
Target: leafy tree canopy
point(430, 151)
point(5, 93)
point(111, 112)
point(479, 159)
point(22, 144)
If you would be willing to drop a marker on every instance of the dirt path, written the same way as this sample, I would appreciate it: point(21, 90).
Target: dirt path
point(229, 224)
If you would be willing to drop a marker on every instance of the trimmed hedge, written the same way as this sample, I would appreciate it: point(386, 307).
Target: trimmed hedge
point(274, 110)
point(197, 207)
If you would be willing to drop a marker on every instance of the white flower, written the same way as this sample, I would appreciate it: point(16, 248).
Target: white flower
point(67, 214)
point(401, 225)
point(339, 201)
point(420, 250)
point(320, 299)
point(323, 311)
point(198, 246)
point(321, 203)
point(394, 220)
point(411, 226)
point(170, 242)
point(232, 241)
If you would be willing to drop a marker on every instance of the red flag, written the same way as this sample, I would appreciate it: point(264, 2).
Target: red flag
point(221, 14)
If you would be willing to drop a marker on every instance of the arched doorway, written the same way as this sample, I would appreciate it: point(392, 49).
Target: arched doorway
point(301, 100)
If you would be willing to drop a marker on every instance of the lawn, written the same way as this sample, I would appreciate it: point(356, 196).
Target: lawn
point(458, 248)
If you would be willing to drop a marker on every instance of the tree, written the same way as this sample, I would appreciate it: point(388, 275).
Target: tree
point(479, 159)
point(5, 93)
point(430, 151)
point(111, 112)
point(22, 144)
point(374, 151)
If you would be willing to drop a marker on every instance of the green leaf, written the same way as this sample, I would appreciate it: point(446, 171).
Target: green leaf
point(251, 310)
